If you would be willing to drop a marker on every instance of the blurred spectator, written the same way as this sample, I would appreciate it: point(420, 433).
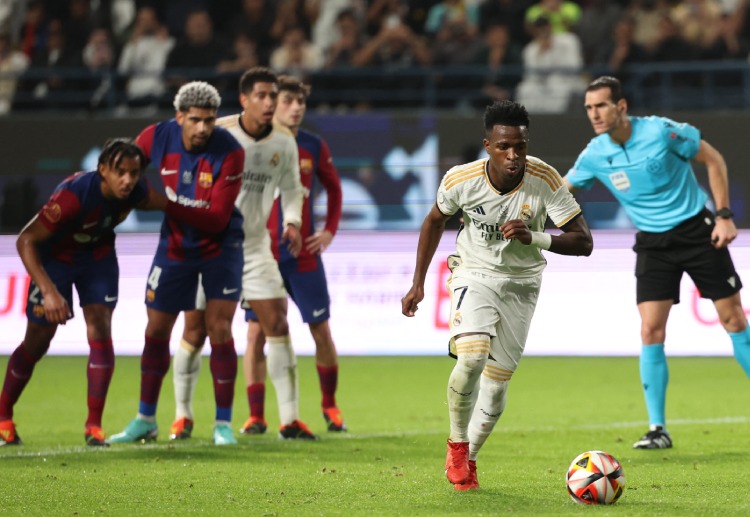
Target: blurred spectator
point(195, 56)
point(727, 44)
point(596, 25)
point(296, 56)
point(456, 43)
point(671, 45)
point(622, 50)
point(416, 15)
point(99, 58)
point(244, 55)
point(502, 57)
point(449, 13)
point(33, 35)
point(144, 57)
point(394, 47)
point(54, 75)
point(122, 14)
point(256, 20)
point(380, 10)
point(12, 13)
point(740, 20)
point(6, 13)
point(647, 15)
point(396, 51)
point(350, 41)
point(337, 88)
point(562, 15)
point(177, 12)
point(295, 13)
point(552, 65)
point(12, 64)
point(511, 13)
point(698, 21)
point(78, 25)
point(325, 29)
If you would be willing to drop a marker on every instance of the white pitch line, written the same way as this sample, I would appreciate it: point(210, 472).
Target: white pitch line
point(249, 444)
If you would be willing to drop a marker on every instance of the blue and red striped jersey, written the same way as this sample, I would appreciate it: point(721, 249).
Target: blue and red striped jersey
point(316, 168)
point(202, 187)
point(82, 220)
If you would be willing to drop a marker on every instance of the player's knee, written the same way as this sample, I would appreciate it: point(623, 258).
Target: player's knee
point(494, 390)
point(196, 338)
point(733, 320)
point(651, 335)
point(278, 326)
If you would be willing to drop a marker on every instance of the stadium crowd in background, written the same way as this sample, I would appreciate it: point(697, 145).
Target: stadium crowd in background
point(131, 53)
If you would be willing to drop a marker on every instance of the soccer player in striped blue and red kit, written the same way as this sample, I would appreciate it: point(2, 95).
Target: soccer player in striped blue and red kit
point(201, 240)
point(71, 242)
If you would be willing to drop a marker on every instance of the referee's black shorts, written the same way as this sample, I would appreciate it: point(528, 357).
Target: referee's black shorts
point(662, 258)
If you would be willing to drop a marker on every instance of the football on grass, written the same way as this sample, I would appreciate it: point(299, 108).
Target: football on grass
point(595, 477)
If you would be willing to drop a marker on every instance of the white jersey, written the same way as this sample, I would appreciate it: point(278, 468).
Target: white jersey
point(480, 242)
point(271, 166)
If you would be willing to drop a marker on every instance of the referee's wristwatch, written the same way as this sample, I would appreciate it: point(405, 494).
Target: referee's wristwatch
point(724, 213)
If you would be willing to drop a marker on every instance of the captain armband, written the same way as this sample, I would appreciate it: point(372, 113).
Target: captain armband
point(541, 240)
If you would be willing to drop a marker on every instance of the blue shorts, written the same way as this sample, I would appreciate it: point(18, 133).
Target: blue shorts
point(308, 290)
point(96, 282)
point(172, 285)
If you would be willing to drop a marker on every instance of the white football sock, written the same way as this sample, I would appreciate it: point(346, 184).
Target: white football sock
point(472, 352)
point(187, 366)
point(282, 369)
point(493, 387)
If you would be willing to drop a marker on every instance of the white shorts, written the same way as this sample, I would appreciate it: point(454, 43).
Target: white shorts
point(261, 279)
point(499, 306)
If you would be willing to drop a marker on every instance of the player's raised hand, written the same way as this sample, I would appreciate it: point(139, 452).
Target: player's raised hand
point(410, 301)
point(516, 229)
point(318, 242)
point(293, 239)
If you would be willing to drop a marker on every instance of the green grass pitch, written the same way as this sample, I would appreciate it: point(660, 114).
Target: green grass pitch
point(391, 460)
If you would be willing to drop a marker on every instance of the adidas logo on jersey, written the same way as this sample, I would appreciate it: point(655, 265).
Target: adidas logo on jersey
point(478, 210)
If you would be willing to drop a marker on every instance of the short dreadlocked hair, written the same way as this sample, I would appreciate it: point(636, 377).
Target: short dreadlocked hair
point(505, 113)
point(197, 94)
point(117, 149)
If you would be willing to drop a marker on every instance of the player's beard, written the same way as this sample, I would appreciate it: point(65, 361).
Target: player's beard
point(199, 143)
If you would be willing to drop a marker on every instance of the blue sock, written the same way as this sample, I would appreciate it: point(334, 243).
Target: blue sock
point(146, 409)
point(741, 344)
point(224, 414)
point(654, 377)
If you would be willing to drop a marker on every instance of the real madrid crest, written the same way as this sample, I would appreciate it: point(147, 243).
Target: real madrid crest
point(526, 213)
point(457, 319)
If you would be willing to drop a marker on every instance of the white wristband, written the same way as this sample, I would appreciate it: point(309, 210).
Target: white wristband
point(541, 240)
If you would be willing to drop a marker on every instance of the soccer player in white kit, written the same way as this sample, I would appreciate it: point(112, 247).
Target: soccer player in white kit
point(505, 200)
point(271, 168)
